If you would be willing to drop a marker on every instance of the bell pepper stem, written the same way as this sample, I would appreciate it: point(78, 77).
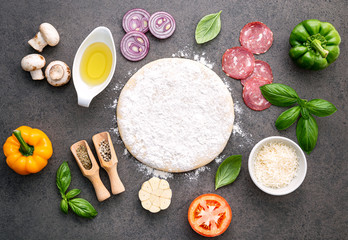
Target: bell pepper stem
point(316, 44)
point(25, 149)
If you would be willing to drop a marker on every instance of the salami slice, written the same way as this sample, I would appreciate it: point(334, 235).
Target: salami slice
point(262, 69)
point(238, 62)
point(252, 95)
point(256, 37)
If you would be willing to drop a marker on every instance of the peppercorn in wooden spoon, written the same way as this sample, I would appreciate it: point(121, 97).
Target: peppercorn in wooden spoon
point(108, 160)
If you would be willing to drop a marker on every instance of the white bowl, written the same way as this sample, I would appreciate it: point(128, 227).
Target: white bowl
point(301, 171)
point(85, 92)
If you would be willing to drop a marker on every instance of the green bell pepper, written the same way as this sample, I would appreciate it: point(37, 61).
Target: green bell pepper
point(315, 44)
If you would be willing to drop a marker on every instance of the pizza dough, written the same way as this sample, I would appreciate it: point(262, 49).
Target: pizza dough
point(175, 115)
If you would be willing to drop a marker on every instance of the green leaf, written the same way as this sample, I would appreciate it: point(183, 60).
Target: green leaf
point(73, 193)
point(321, 107)
point(287, 118)
point(82, 208)
point(64, 206)
point(208, 28)
point(279, 94)
point(63, 177)
point(307, 133)
point(304, 113)
point(228, 171)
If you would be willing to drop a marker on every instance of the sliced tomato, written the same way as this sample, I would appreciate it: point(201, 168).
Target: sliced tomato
point(209, 215)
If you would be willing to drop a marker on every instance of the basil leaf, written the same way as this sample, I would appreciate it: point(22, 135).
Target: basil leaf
point(73, 193)
point(287, 118)
point(228, 171)
point(321, 107)
point(64, 206)
point(63, 177)
point(307, 133)
point(208, 28)
point(279, 94)
point(304, 113)
point(82, 208)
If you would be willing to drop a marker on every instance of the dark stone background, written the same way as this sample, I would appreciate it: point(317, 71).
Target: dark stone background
point(30, 204)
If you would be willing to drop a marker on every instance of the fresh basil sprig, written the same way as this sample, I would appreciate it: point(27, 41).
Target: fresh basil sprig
point(78, 205)
point(279, 94)
point(228, 171)
point(63, 178)
point(287, 118)
point(82, 208)
point(73, 193)
point(307, 128)
point(320, 107)
point(307, 133)
point(208, 28)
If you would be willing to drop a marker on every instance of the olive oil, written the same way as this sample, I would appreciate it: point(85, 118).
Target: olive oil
point(96, 63)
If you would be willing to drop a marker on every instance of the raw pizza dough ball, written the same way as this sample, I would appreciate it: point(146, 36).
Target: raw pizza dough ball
point(175, 115)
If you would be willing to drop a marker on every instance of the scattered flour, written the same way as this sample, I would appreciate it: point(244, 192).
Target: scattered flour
point(148, 171)
point(118, 87)
point(227, 84)
point(116, 132)
point(125, 152)
point(237, 108)
point(193, 175)
point(219, 159)
point(131, 72)
point(114, 104)
point(237, 129)
point(187, 52)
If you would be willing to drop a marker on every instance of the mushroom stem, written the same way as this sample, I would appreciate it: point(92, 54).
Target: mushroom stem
point(38, 42)
point(37, 74)
point(56, 72)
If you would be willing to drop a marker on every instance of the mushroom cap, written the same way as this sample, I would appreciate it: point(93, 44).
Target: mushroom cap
point(33, 62)
point(57, 73)
point(49, 33)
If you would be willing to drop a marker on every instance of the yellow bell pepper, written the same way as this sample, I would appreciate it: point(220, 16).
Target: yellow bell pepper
point(27, 150)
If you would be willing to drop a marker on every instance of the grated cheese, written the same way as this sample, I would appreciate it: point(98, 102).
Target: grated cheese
point(276, 165)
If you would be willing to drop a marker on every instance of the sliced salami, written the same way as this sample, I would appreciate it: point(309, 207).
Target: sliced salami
point(252, 95)
point(238, 63)
point(261, 69)
point(256, 37)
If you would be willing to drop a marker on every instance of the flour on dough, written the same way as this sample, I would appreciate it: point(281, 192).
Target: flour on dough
point(175, 115)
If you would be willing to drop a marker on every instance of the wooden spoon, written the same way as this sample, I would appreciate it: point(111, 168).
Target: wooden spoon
point(93, 173)
point(110, 166)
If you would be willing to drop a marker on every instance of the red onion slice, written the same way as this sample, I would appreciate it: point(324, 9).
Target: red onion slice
point(136, 20)
point(162, 25)
point(135, 46)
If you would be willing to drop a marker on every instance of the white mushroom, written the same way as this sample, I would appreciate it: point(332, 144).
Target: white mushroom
point(47, 35)
point(33, 64)
point(57, 73)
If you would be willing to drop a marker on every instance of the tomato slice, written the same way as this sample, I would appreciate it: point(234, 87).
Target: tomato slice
point(209, 215)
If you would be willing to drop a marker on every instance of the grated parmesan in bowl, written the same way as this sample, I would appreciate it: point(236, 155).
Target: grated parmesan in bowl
point(277, 165)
